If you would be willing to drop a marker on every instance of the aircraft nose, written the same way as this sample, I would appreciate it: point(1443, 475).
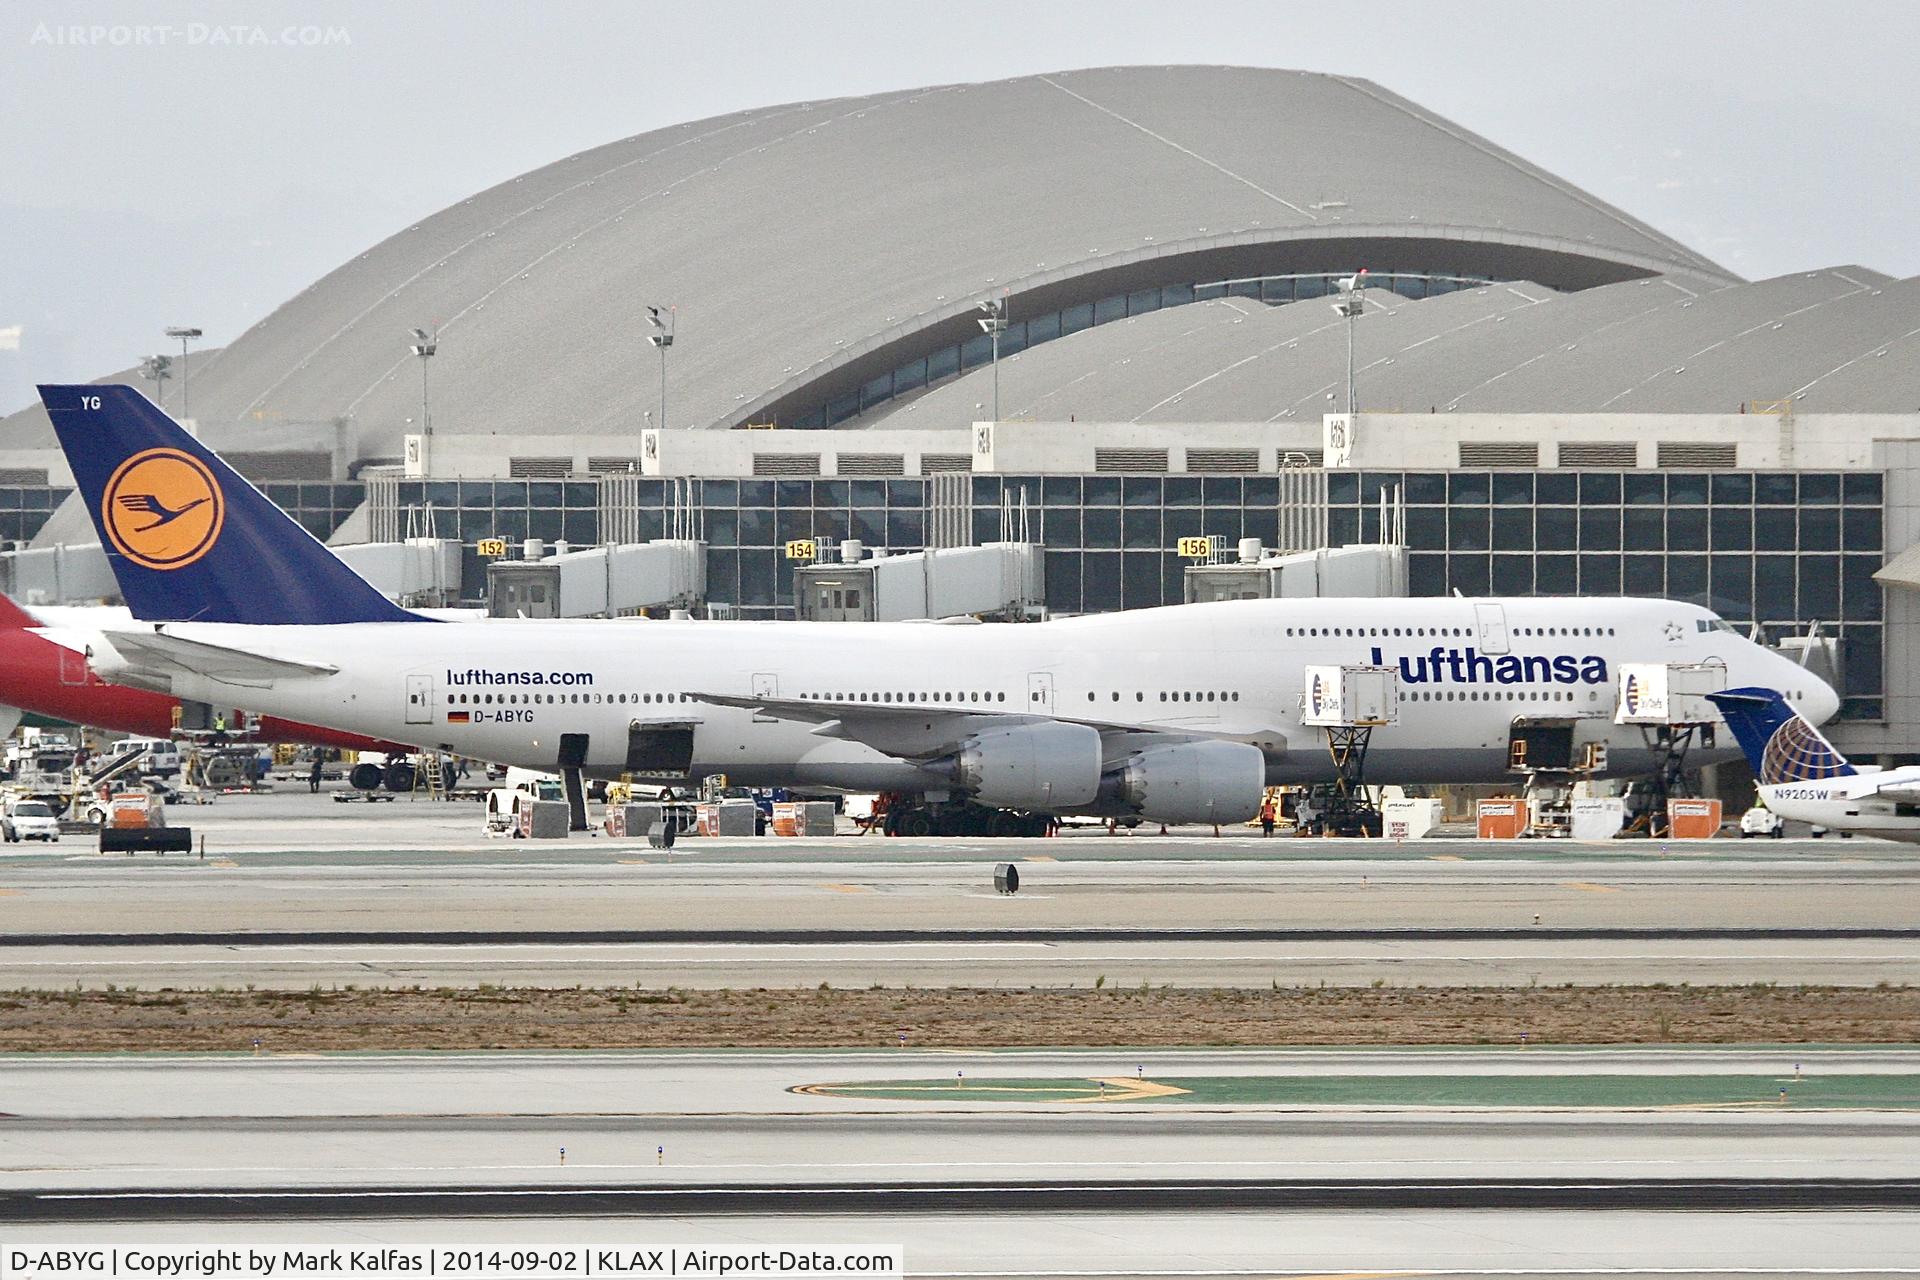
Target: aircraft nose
point(1821, 702)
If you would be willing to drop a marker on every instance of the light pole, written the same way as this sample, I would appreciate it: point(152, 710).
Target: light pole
point(993, 325)
point(186, 334)
point(662, 337)
point(1351, 304)
point(424, 345)
point(159, 368)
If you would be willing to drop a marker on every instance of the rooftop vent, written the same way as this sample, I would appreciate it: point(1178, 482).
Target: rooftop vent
point(1501, 453)
point(1118, 459)
point(870, 464)
point(931, 463)
point(786, 464)
point(1223, 459)
point(1600, 453)
point(539, 468)
point(1697, 453)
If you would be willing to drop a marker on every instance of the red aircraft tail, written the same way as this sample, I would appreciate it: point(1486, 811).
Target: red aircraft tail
point(13, 617)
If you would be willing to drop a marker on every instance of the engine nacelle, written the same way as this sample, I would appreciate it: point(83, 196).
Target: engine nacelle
point(1049, 767)
point(1191, 782)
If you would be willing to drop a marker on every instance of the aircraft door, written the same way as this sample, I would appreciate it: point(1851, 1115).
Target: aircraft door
point(420, 699)
point(766, 684)
point(1492, 620)
point(1040, 692)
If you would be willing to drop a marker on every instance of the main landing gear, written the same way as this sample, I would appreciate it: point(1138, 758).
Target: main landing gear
point(913, 816)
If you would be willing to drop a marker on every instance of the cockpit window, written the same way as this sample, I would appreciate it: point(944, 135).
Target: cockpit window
point(1714, 624)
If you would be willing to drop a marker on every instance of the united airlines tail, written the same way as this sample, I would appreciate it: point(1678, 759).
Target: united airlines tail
point(1780, 746)
point(188, 538)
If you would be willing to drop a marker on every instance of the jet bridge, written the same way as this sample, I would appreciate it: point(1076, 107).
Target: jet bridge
point(1000, 581)
point(1348, 704)
point(652, 578)
point(1356, 571)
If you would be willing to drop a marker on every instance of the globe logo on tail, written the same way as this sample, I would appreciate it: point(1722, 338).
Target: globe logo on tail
point(1797, 753)
point(162, 509)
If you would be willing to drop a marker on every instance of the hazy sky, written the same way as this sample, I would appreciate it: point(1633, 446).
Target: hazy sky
point(190, 162)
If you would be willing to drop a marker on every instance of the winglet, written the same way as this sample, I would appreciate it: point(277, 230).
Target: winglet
point(1780, 745)
point(188, 537)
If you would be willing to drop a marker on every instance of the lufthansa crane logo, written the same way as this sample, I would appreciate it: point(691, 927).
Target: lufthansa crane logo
point(162, 509)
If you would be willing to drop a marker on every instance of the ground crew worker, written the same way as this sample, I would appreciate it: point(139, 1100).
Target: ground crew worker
point(313, 776)
point(1267, 816)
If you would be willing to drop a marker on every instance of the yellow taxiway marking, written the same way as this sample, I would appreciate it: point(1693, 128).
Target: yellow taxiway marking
point(1095, 1090)
point(847, 888)
point(11, 893)
point(1122, 1089)
point(636, 862)
point(1445, 857)
point(225, 864)
point(1588, 887)
point(1039, 857)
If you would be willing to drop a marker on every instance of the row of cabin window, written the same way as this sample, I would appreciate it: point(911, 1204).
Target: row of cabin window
point(515, 699)
point(907, 697)
point(1188, 695)
point(1495, 695)
point(1444, 631)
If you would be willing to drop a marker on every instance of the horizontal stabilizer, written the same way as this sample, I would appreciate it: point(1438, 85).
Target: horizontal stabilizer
point(157, 653)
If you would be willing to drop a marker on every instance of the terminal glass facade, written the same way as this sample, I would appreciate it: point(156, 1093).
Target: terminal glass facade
point(24, 508)
point(1780, 549)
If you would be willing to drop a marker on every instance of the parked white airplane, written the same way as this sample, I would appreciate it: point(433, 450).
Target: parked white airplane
point(1801, 776)
point(1180, 714)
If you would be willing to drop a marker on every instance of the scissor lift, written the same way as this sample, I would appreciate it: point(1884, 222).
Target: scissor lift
point(1348, 704)
point(1667, 701)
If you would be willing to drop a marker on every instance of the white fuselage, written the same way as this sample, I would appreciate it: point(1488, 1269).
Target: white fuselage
point(1852, 803)
point(506, 690)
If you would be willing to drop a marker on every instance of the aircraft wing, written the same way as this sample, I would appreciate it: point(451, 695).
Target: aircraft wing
point(157, 653)
point(927, 732)
point(1906, 791)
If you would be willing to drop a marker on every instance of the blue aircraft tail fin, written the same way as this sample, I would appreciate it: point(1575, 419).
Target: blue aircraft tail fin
point(187, 536)
point(1780, 745)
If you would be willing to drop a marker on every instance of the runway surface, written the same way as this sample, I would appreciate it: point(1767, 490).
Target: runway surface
point(1123, 964)
point(718, 1147)
point(1189, 910)
point(1089, 882)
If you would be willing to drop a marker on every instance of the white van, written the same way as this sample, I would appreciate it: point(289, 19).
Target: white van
point(30, 819)
point(162, 754)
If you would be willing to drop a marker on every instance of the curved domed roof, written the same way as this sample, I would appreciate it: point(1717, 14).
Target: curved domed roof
point(808, 245)
point(1654, 345)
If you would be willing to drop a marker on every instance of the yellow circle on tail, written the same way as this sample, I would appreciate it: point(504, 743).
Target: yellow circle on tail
point(162, 509)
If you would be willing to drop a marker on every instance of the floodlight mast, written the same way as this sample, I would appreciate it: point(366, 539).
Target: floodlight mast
point(159, 368)
point(425, 345)
point(663, 321)
point(1351, 304)
point(993, 326)
point(185, 333)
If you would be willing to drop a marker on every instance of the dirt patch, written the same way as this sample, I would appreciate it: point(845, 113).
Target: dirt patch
point(497, 1018)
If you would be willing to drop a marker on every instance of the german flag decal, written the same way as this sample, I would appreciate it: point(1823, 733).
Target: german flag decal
point(457, 717)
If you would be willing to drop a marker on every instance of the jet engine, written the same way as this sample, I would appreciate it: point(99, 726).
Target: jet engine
point(1048, 766)
point(1190, 782)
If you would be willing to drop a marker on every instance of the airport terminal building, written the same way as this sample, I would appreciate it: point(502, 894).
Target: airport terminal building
point(1560, 399)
